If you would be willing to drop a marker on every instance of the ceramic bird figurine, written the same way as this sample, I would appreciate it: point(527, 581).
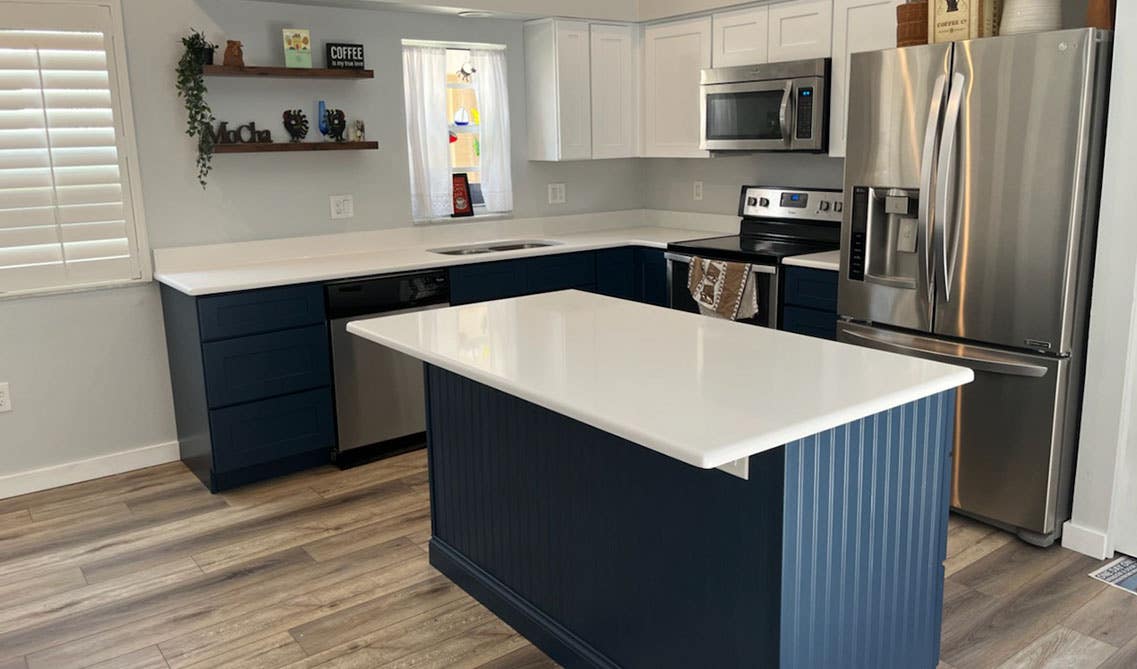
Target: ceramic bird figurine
point(337, 123)
point(296, 123)
point(234, 55)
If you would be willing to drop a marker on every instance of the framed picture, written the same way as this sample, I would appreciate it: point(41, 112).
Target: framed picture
point(463, 203)
point(297, 48)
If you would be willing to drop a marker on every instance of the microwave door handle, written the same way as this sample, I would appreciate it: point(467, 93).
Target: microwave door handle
point(946, 183)
point(784, 113)
point(927, 186)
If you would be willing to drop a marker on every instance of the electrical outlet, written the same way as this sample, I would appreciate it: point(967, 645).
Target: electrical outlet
point(343, 206)
point(5, 398)
point(556, 193)
point(698, 192)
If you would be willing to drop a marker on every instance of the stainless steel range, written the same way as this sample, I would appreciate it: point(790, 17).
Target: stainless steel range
point(776, 223)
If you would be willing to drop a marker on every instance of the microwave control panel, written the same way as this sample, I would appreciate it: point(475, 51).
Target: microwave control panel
point(804, 128)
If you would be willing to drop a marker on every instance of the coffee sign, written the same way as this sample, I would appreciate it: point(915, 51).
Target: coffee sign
point(344, 56)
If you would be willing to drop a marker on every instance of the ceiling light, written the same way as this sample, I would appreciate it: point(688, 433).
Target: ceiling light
point(475, 14)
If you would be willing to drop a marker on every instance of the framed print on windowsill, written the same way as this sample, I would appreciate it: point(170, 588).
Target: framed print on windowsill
point(463, 203)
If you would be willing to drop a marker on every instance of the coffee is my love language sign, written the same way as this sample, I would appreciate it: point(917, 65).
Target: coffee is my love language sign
point(344, 56)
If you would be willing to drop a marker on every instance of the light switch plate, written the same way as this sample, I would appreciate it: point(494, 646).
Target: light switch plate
point(698, 192)
point(343, 206)
point(5, 398)
point(556, 194)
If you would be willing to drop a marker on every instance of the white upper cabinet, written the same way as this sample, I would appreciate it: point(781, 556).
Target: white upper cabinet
point(613, 91)
point(801, 29)
point(558, 89)
point(674, 55)
point(741, 37)
point(858, 25)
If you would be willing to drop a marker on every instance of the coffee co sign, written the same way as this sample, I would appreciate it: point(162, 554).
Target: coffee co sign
point(344, 56)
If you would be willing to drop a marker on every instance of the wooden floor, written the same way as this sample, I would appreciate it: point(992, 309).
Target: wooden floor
point(329, 569)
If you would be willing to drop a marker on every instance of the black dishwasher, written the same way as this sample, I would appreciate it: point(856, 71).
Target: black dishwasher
point(380, 403)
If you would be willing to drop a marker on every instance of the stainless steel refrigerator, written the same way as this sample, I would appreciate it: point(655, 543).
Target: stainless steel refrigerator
point(972, 185)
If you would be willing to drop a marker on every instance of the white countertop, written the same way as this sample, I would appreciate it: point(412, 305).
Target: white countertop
point(827, 260)
point(704, 391)
point(206, 275)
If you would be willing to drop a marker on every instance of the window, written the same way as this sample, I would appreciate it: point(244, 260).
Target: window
point(457, 103)
point(67, 218)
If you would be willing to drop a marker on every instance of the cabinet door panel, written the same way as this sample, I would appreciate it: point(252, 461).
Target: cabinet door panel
point(801, 29)
point(560, 272)
point(573, 91)
point(265, 431)
point(616, 273)
point(613, 92)
point(489, 281)
point(858, 25)
point(651, 269)
point(674, 56)
point(742, 37)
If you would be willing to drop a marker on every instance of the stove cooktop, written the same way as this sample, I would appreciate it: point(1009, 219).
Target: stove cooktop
point(741, 248)
point(776, 223)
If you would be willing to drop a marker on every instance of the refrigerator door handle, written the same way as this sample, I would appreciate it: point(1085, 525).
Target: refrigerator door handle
point(979, 362)
point(927, 186)
point(945, 183)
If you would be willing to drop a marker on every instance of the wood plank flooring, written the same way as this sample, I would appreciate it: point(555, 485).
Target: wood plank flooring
point(329, 569)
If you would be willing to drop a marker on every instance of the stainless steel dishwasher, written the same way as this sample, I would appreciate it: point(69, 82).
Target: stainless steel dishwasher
point(380, 403)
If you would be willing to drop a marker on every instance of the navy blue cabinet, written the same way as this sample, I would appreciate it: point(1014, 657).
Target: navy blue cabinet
point(651, 276)
point(252, 381)
point(810, 302)
point(629, 273)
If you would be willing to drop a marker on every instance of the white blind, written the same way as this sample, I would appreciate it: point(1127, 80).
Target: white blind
point(65, 216)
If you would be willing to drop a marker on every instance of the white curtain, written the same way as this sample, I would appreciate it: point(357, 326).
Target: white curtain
point(493, 104)
point(428, 142)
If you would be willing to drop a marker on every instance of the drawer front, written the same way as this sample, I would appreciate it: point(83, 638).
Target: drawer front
point(822, 324)
point(813, 288)
point(265, 431)
point(560, 272)
point(253, 368)
point(489, 281)
point(616, 273)
point(256, 311)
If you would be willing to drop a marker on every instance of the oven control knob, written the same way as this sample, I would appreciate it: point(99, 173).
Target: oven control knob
point(838, 206)
point(763, 202)
point(751, 202)
point(824, 206)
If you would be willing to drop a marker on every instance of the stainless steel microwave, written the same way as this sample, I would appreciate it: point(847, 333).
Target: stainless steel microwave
point(771, 107)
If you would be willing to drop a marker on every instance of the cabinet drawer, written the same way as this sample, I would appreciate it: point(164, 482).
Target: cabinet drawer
point(489, 281)
point(265, 431)
point(813, 288)
point(822, 324)
point(559, 272)
point(253, 368)
point(256, 311)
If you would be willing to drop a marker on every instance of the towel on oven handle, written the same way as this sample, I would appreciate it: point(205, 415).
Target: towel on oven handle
point(723, 289)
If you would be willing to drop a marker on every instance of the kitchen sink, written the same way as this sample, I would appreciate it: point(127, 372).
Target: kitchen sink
point(495, 247)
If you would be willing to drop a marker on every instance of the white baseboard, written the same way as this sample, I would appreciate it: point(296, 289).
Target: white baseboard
point(67, 473)
point(1086, 541)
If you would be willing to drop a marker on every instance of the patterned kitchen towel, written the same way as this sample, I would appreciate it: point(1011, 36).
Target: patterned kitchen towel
point(723, 289)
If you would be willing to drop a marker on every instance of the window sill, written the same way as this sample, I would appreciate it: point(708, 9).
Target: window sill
point(68, 290)
point(496, 216)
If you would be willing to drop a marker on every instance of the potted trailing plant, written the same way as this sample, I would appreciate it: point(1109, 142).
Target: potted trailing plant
point(191, 88)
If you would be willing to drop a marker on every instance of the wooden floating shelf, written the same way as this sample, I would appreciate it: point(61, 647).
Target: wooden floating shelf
point(278, 147)
point(288, 72)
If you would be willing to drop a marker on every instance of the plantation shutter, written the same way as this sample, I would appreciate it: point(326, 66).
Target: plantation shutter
point(65, 209)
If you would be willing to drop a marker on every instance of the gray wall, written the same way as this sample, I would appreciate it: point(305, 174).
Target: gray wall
point(669, 184)
point(255, 196)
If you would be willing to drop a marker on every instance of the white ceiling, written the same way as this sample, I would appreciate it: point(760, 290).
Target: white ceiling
point(603, 10)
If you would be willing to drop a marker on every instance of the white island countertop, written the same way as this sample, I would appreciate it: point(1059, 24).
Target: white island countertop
point(704, 391)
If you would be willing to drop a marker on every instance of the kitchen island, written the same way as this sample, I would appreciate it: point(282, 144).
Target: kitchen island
point(630, 486)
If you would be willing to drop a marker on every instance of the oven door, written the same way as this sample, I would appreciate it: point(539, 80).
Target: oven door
point(679, 297)
point(777, 115)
